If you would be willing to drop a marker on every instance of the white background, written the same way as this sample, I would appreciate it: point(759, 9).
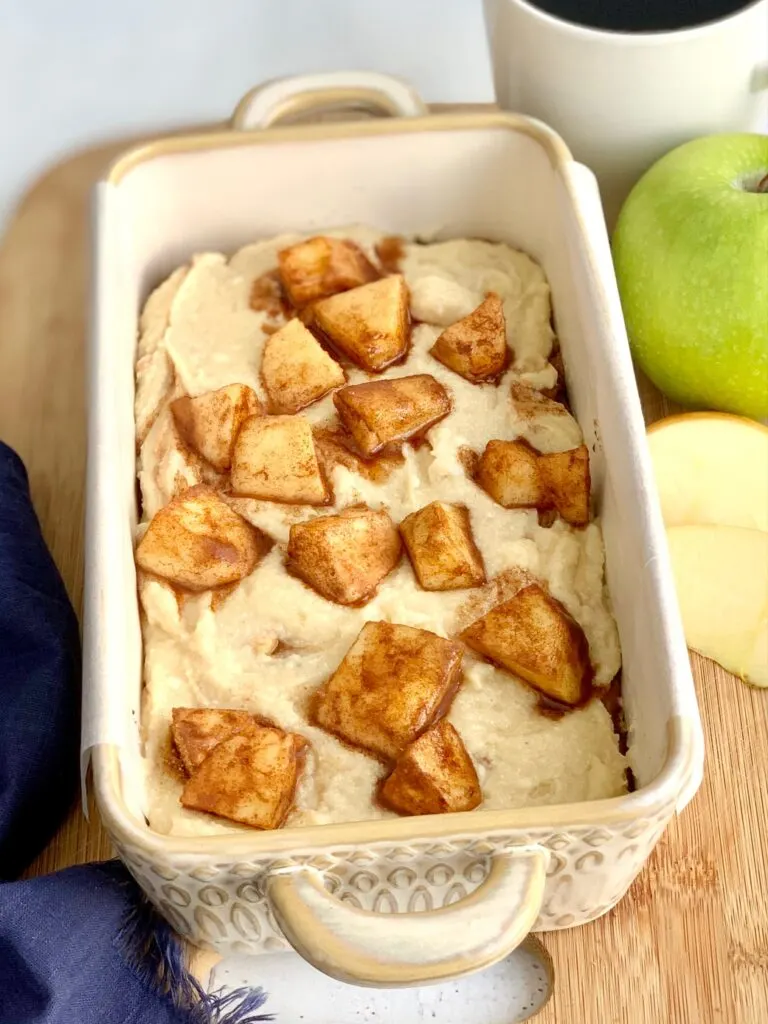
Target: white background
point(75, 71)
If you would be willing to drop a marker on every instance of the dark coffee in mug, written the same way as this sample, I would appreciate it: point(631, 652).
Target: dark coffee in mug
point(640, 15)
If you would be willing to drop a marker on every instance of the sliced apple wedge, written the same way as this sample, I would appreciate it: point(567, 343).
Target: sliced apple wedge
point(370, 325)
point(711, 468)
point(721, 574)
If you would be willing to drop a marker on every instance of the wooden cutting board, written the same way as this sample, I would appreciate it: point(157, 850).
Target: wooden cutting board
point(687, 945)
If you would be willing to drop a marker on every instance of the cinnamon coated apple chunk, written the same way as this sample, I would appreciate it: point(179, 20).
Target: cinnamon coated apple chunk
point(476, 346)
point(517, 476)
point(387, 412)
point(393, 683)
point(441, 547)
point(323, 266)
point(529, 403)
point(209, 423)
point(566, 480)
point(250, 777)
point(198, 542)
point(275, 459)
point(435, 775)
point(371, 325)
point(509, 472)
point(533, 636)
point(334, 449)
point(196, 731)
point(296, 370)
point(344, 557)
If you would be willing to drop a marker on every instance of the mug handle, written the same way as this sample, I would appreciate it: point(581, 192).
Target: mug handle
point(368, 92)
point(383, 950)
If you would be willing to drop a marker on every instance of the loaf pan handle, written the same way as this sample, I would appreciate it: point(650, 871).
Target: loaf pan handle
point(302, 96)
point(383, 950)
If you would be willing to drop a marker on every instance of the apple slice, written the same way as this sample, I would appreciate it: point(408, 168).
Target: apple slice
point(711, 468)
point(566, 480)
point(721, 573)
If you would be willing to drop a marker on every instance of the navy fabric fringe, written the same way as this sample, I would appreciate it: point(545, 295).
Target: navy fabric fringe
point(151, 948)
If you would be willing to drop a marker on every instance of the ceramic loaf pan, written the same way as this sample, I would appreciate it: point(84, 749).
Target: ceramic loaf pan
point(410, 900)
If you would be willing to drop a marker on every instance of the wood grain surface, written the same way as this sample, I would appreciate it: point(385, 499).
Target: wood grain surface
point(687, 945)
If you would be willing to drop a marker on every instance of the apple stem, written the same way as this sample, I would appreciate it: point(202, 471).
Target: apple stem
point(762, 185)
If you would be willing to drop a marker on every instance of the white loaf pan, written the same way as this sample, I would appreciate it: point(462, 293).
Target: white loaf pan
point(410, 900)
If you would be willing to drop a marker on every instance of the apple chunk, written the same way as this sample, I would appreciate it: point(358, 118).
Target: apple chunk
point(393, 683)
point(345, 557)
point(441, 547)
point(209, 423)
point(534, 637)
point(711, 468)
point(509, 472)
point(721, 575)
point(296, 370)
point(196, 731)
point(370, 325)
point(333, 450)
point(274, 459)
point(384, 412)
point(565, 476)
point(435, 775)
point(198, 542)
point(475, 347)
point(249, 777)
point(322, 266)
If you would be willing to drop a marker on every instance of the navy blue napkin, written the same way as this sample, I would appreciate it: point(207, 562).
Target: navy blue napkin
point(81, 946)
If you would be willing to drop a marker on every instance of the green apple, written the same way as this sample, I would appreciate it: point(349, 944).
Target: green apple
point(691, 255)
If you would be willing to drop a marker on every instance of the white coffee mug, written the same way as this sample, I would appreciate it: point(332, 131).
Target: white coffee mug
point(620, 100)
